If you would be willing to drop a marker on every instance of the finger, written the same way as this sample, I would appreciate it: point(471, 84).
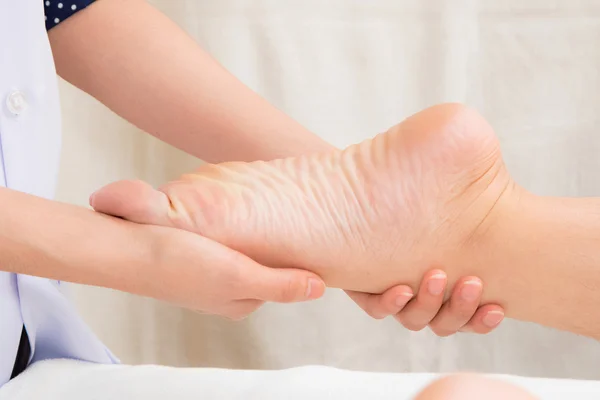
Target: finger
point(281, 285)
point(422, 309)
point(134, 201)
point(486, 319)
point(460, 308)
point(380, 306)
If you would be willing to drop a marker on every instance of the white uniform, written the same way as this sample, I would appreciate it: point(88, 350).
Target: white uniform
point(29, 160)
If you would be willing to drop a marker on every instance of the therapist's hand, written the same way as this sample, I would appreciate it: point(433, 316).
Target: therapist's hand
point(197, 273)
point(462, 312)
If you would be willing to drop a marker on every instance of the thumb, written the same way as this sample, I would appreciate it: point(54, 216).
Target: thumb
point(135, 201)
point(284, 285)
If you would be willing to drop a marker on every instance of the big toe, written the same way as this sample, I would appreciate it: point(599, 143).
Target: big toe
point(134, 201)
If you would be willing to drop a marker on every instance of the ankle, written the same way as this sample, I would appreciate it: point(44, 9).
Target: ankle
point(488, 253)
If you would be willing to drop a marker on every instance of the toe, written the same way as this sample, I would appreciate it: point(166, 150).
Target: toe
point(134, 201)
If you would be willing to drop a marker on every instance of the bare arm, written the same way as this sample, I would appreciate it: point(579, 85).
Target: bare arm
point(144, 67)
point(65, 242)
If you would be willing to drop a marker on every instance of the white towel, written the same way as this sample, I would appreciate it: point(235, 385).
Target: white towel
point(74, 380)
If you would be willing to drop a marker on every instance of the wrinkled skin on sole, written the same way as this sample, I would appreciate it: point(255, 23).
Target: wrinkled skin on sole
point(379, 213)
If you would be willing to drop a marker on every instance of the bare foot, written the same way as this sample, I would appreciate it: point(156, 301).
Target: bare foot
point(379, 213)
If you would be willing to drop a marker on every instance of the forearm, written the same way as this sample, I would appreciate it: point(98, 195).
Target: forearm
point(65, 242)
point(144, 67)
point(541, 259)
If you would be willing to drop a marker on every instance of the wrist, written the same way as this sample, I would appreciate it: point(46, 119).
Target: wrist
point(154, 247)
point(173, 255)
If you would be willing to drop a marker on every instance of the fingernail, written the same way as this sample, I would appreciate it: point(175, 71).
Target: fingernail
point(312, 285)
point(403, 298)
point(92, 199)
point(493, 318)
point(436, 284)
point(471, 290)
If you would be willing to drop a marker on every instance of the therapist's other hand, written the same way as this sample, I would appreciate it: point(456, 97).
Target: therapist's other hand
point(462, 312)
point(197, 273)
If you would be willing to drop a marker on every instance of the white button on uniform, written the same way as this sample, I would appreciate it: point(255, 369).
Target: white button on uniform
point(16, 102)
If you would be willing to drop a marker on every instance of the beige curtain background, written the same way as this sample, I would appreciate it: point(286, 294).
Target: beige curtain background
point(348, 69)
